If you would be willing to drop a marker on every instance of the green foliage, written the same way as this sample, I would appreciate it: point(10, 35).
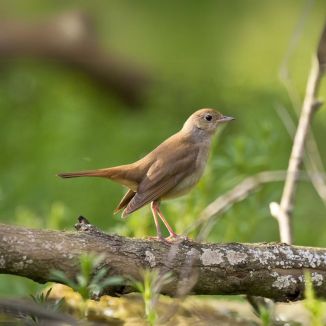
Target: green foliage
point(266, 316)
point(315, 306)
point(149, 289)
point(55, 217)
point(91, 279)
point(264, 309)
point(42, 298)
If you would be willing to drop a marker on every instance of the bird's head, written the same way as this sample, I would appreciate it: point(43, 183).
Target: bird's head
point(205, 121)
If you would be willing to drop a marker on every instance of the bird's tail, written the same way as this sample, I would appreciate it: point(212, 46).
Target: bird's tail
point(120, 174)
point(106, 173)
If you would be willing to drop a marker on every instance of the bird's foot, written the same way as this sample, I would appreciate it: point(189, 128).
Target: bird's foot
point(172, 239)
point(176, 238)
point(158, 238)
point(153, 238)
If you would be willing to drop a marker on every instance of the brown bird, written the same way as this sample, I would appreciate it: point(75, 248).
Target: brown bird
point(170, 170)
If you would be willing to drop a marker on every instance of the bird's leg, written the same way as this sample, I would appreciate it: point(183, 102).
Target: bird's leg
point(154, 208)
point(160, 214)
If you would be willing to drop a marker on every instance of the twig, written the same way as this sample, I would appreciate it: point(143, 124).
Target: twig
point(257, 302)
point(284, 73)
point(312, 159)
point(238, 193)
point(283, 212)
point(241, 191)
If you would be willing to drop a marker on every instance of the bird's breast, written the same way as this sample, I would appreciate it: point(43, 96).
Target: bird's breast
point(190, 180)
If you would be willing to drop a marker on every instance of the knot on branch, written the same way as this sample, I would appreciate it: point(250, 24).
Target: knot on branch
point(84, 225)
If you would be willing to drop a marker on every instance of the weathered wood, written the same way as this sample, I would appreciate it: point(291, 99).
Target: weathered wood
point(270, 270)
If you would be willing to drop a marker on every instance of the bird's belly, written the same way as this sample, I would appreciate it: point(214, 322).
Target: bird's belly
point(183, 187)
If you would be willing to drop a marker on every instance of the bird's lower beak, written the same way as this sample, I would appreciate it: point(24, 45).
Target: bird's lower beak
point(226, 119)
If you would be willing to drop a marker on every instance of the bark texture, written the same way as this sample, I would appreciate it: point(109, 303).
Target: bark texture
point(271, 270)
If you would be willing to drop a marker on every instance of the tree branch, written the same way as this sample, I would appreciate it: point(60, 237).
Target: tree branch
point(71, 39)
point(271, 270)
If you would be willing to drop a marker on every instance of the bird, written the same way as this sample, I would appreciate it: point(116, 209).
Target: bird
point(171, 170)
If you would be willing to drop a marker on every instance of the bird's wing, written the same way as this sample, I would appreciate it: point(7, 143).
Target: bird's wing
point(163, 176)
point(125, 201)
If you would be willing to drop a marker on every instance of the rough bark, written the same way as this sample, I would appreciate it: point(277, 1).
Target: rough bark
point(270, 270)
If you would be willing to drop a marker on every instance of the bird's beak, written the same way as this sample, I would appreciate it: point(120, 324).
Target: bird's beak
point(226, 119)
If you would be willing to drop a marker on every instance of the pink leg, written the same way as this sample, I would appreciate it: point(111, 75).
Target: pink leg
point(154, 208)
point(160, 214)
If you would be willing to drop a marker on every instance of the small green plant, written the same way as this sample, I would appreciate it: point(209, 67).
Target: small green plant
point(89, 281)
point(149, 289)
point(314, 306)
point(42, 298)
point(266, 316)
point(263, 309)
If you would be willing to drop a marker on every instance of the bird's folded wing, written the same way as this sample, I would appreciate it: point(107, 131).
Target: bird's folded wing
point(125, 201)
point(161, 178)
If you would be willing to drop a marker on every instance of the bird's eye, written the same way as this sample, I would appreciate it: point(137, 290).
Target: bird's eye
point(208, 117)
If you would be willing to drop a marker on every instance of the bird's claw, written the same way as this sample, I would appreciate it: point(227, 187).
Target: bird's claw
point(159, 238)
point(176, 238)
point(172, 239)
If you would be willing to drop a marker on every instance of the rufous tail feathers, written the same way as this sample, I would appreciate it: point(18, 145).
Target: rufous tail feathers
point(120, 174)
point(106, 173)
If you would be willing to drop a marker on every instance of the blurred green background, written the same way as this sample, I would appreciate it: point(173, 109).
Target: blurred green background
point(220, 54)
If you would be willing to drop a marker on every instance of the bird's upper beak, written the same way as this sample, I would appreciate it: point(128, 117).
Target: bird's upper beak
point(226, 119)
